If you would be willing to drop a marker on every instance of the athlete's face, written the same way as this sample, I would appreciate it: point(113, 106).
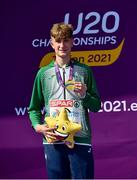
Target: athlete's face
point(62, 47)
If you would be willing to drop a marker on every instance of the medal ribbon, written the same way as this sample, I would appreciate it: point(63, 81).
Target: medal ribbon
point(61, 82)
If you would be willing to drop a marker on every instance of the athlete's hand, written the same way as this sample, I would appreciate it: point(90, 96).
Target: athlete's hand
point(46, 131)
point(80, 88)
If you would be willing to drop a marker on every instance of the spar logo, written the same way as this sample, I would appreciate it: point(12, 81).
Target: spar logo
point(61, 103)
point(94, 29)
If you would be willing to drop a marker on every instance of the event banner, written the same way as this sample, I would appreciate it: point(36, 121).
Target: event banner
point(105, 35)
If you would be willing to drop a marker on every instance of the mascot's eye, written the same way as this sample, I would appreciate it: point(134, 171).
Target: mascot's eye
point(63, 128)
point(56, 126)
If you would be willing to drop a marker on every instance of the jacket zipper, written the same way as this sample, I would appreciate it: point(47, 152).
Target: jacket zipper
point(64, 92)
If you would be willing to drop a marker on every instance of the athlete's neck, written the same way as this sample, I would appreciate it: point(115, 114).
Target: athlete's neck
point(62, 62)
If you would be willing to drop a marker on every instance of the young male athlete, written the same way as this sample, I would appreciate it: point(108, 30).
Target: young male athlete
point(70, 84)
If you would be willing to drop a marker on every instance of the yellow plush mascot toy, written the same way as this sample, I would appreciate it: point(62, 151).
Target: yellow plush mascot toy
point(65, 129)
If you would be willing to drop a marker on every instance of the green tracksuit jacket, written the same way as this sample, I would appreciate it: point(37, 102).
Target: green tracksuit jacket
point(48, 93)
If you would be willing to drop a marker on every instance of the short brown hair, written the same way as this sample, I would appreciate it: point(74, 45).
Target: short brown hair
point(61, 31)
